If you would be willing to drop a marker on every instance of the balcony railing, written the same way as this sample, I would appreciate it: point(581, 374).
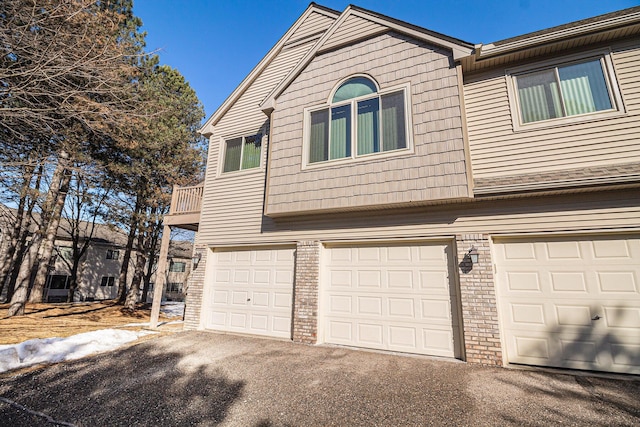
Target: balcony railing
point(186, 203)
point(187, 199)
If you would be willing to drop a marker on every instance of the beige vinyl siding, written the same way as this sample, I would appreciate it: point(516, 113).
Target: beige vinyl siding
point(434, 169)
point(240, 195)
point(352, 25)
point(241, 223)
point(496, 150)
point(315, 24)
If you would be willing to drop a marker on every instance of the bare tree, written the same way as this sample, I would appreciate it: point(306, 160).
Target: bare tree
point(67, 84)
point(83, 210)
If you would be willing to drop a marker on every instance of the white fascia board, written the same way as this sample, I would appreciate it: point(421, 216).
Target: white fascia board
point(244, 85)
point(460, 50)
point(607, 24)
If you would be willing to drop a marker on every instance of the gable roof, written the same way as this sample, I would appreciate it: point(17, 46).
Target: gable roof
point(289, 38)
point(355, 24)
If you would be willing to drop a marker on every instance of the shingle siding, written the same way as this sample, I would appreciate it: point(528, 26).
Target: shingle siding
point(435, 169)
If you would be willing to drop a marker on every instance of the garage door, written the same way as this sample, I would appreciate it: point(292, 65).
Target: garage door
point(571, 302)
point(394, 297)
point(252, 292)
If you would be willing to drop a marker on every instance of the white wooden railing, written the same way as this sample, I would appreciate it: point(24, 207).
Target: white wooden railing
point(186, 200)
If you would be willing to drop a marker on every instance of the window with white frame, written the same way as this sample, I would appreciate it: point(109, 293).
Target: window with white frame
point(360, 120)
point(576, 88)
point(242, 153)
point(113, 254)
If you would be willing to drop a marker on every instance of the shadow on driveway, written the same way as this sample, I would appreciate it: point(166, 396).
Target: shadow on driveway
point(198, 378)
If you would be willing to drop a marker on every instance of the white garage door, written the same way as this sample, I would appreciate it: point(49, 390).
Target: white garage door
point(571, 302)
point(252, 292)
point(393, 297)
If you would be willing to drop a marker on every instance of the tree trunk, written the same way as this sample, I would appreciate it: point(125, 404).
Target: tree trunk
point(19, 298)
point(73, 281)
point(134, 289)
point(124, 269)
point(146, 280)
point(151, 256)
point(13, 237)
point(22, 247)
point(62, 177)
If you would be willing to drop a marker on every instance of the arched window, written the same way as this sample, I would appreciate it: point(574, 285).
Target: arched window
point(360, 120)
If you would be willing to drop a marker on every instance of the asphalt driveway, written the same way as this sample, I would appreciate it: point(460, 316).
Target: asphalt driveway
point(202, 379)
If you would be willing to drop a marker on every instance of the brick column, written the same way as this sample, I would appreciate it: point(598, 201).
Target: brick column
point(195, 286)
point(478, 297)
point(305, 292)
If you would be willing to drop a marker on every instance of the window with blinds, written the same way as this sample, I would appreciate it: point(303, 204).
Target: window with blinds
point(572, 89)
point(242, 153)
point(360, 120)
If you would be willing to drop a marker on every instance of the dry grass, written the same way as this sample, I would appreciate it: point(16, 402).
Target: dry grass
point(63, 320)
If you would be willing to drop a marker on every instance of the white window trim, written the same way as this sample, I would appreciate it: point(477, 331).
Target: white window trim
point(406, 88)
point(223, 153)
point(610, 79)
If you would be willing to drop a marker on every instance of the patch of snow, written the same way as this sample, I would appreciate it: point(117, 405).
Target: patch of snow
point(52, 350)
point(172, 309)
point(130, 325)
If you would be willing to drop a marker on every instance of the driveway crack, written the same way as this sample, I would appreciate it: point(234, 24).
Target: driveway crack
point(48, 418)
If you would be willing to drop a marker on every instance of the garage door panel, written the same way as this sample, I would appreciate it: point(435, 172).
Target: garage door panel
point(576, 305)
point(252, 292)
point(609, 249)
point(400, 279)
point(401, 308)
point(617, 281)
point(436, 281)
point(368, 279)
point(394, 297)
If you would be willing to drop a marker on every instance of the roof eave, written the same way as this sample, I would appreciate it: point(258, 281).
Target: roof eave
point(492, 50)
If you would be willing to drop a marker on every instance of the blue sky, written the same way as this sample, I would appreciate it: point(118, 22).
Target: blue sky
point(216, 43)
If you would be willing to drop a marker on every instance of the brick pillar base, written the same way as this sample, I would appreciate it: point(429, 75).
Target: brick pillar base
point(305, 292)
point(478, 297)
point(195, 285)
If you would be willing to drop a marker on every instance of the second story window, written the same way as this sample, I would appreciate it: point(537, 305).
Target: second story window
point(576, 88)
point(177, 267)
point(242, 153)
point(360, 120)
point(65, 252)
point(107, 281)
point(113, 254)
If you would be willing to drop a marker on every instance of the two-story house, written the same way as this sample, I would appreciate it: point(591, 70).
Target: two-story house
point(375, 184)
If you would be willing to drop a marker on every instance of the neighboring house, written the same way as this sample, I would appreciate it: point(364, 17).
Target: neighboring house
point(178, 271)
point(100, 266)
point(376, 184)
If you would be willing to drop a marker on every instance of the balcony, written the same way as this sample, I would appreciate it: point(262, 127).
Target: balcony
point(186, 203)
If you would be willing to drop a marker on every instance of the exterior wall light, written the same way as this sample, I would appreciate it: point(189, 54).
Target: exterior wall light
point(195, 259)
point(473, 254)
